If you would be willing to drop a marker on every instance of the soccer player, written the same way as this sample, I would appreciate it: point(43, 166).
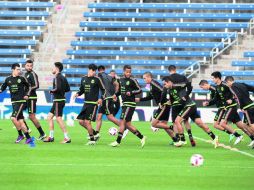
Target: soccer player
point(111, 87)
point(32, 79)
point(183, 86)
point(113, 74)
point(230, 104)
point(161, 116)
point(241, 92)
point(19, 90)
point(129, 87)
point(90, 86)
point(60, 87)
point(215, 100)
point(189, 111)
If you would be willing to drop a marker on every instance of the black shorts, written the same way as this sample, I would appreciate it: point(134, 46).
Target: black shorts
point(189, 112)
point(249, 116)
point(31, 105)
point(107, 107)
point(175, 111)
point(57, 108)
point(127, 113)
point(17, 111)
point(162, 114)
point(232, 115)
point(88, 112)
point(219, 114)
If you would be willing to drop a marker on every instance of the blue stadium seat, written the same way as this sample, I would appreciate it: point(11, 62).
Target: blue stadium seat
point(238, 73)
point(243, 63)
point(22, 33)
point(5, 70)
point(108, 62)
point(198, 25)
point(188, 35)
point(4, 42)
point(24, 14)
point(173, 6)
point(148, 44)
point(115, 15)
point(139, 53)
point(248, 54)
point(8, 4)
point(11, 60)
point(20, 23)
point(2, 79)
point(15, 52)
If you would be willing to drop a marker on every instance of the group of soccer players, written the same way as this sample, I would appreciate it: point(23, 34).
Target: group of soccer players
point(103, 90)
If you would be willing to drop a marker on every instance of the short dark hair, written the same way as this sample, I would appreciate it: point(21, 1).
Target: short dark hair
point(92, 67)
point(101, 67)
point(202, 82)
point(229, 78)
point(59, 65)
point(126, 67)
point(167, 79)
point(216, 74)
point(171, 68)
point(112, 71)
point(29, 61)
point(149, 74)
point(13, 66)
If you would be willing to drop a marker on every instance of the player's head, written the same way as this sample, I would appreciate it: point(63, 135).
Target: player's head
point(101, 69)
point(172, 69)
point(57, 68)
point(229, 80)
point(204, 84)
point(92, 70)
point(112, 73)
point(16, 71)
point(29, 65)
point(167, 82)
point(127, 71)
point(148, 76)
point(216, 77)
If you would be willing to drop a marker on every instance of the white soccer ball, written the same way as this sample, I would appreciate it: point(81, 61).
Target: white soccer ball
point(112, 131)
point(154, 129)
point(70, 122)
point(197, 160)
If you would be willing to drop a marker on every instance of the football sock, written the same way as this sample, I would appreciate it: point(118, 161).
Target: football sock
point(211, 135)
point(94, 132)
point(174, 139)
point(20, 133)
point(119, 137)
point(226, 131)
point(251, 137)
point(27, 135)
point(139, 135)
point(182, 137)
point(51, 134)
point(66, 135)
point(177, 136)
point(40, 131)
point(171, 127)
point(91, 137)
point(236, 134)
point(189, 133)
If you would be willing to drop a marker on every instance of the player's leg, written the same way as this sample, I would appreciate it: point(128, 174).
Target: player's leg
point(175, 111)
point(24, 129)
point(98, 122)
point(136, 132)
point(249, 120)
point(50, 120)
point(188, 129)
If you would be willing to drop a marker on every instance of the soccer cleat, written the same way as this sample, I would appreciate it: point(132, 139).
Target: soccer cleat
point(178, 144)
point(231, 137)
point(66, 140)
point(28, 141)
point(114, 144)
point(41, 137)
point(20, 138)
point(90, 143)
point(171, 143)
point(251, 144)
point(238, 140)
point(192, 141)
point(97, 137)
point(143, 141)
point(216, 142)
point(125, 133)
point(49, 139)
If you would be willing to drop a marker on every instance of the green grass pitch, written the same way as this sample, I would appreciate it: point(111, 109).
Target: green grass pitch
point(58, 166)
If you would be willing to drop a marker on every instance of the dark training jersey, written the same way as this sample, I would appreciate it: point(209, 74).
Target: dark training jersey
point(154, 93)
point(32, 79)
point(18, 87)
point(215, 98)
point(241, 92)
point(129, 85)
point(60, 86)
point(176, 98)
point(108, 83)
point(90, 87)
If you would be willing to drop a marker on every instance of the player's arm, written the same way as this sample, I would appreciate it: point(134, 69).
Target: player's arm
point(58, 87)
point(3, 86)
point(136, 87)
point(164, 95)
point(26, 86)
point(102, 88)
point(81, 88)
point(34, 81)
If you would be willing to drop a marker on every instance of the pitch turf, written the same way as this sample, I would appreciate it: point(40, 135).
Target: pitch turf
point(157, 166)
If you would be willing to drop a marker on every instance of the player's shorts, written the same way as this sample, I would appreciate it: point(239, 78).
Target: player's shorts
point(17, 111)
point(127, 113)
point(107, 107)
point(189, 112)
point(175, 111)
point(88, 112)
point(219, 114)
point(162, 114)
point(232, 115)
point(249, 116)
point(57, 108)
point(31, 105)
point(116, 106)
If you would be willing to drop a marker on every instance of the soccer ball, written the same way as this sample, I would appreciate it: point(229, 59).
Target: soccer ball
point(113, 131)
point(197, 160)
point(154, 129)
